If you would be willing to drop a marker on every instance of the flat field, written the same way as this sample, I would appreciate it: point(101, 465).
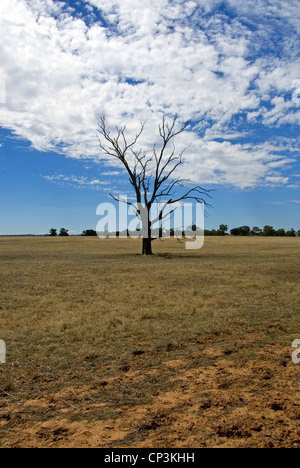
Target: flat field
point(106, 348)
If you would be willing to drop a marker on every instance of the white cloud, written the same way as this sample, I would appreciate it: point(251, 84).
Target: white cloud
point(156, 56)
point(76, 182)
point(296, 92)
point(270, 9)
point(275, 180)
point(111, 173)
point(241, 165)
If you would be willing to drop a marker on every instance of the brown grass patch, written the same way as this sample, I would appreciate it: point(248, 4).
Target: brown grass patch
point(106, 348)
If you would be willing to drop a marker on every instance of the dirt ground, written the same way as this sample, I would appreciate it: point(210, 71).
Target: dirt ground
point(220, 386)
point(216, 404)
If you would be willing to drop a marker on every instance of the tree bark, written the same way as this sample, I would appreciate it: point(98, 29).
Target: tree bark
point(146, 230)
point(147, 246)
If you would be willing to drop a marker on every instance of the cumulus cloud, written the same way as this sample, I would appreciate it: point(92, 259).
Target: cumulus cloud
point(135, 61)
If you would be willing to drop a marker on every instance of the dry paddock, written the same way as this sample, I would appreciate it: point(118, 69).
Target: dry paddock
point(106, 348)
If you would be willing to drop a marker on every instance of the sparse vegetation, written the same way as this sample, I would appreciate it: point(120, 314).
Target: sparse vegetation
point(53, 232)
point(63, 232)
point(98, 355)
point(89, 233)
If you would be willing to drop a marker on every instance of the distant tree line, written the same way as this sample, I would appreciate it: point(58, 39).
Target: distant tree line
point(89, 233)
point(267, 231)
point(62, 233)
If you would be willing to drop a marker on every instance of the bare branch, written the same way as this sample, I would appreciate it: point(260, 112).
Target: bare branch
point(190, 196)
point(119, 199)
point(161, 215)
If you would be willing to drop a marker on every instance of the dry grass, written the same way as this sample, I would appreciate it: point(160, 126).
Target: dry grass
point(98, 336)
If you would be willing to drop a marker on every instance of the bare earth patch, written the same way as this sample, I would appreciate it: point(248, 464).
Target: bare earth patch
point(218, 404)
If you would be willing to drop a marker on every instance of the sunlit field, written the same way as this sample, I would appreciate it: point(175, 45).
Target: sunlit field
point(107, 348)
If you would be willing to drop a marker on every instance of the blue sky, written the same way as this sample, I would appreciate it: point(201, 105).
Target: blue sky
point(230, 67)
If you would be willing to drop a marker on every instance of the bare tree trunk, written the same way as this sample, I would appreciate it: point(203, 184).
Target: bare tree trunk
point(147, 246)
point(146, 231)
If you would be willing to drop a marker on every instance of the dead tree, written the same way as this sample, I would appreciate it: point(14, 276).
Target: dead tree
point(151, 176)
